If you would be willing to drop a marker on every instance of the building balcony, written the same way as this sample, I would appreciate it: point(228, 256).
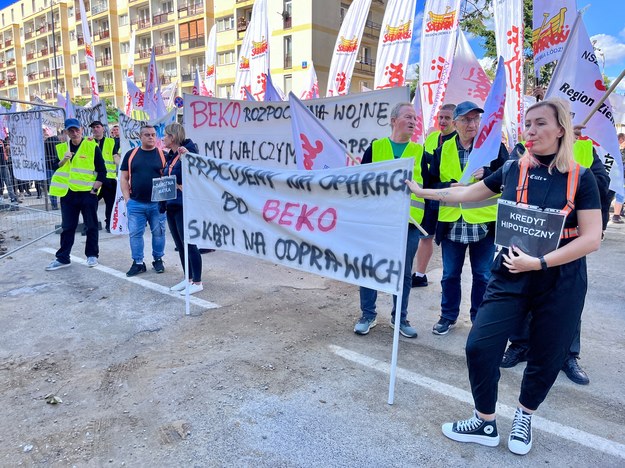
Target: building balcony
point(83, 65)
point(101, 35)
point(98, 8)
point(85, 90)
point(192, 43)
point(104, 62)
point(163, 49)
point(30, 55)
point(44, 29)
point(241, 25)
point(365, 65)
point(162, 18)
point(10, 62)
point(80, 40)
point(141, 23)
point(48, 95)
point(12, 81)
point(8, 43)
point(28, 34)
point(166, 79)
point(187, 76)
point(106, 88)
point(44, 74)
point(32, 76)
point(372, 29)
point(190, 9)
point(2, 83)
point(144, 53)
point(1, 64)
point(44, 52)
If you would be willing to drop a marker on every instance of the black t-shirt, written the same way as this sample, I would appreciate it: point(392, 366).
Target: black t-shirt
point(116, 148)
point(145, 166)
point(547, 190)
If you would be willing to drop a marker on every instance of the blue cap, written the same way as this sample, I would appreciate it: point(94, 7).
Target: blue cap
point(465, 107)
point(72, 123)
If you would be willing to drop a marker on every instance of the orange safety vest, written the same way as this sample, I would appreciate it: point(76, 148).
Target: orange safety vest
point(131, 157)
point(571, 189)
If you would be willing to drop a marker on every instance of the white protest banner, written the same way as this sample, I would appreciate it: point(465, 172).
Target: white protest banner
point(488, 139)
point(259, 59)
point(394, 44)
point(27, 152)
point(260, 133)
point(51, 118)
point(577, 79)
point(89, 55)
point(211, 62)
point(346, 48)
point(317, 148)
point(315, 221)
point(467, 80)
point(438, 39)
point(86, 115)
point(552, 24)
point(509, 41)
point(129, 138)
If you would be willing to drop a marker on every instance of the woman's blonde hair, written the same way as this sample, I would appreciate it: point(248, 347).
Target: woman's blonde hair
point(176, 132)
point(564, 155)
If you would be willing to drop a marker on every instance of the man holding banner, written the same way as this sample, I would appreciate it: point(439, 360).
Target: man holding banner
point(398, 145)
point(110, 152)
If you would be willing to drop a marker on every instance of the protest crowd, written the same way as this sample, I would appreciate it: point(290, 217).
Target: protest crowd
point(466, 161)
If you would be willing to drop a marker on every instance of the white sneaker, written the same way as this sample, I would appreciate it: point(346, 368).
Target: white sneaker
point(193, 288)
point(520, 440)
point(180, 286)
point(92, 261)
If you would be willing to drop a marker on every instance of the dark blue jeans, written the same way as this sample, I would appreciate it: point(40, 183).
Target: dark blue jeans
point(369, 296)
point(481, 254)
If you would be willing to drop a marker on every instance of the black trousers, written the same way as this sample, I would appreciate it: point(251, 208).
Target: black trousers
point(108, 192)
point(555, 299)
point(521, 337)
point(72, 205)
point(176, 227)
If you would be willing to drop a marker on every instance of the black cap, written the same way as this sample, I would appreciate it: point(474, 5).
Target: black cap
point(96, 122)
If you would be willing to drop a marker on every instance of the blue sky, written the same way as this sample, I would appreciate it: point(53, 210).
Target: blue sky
point(604, 21)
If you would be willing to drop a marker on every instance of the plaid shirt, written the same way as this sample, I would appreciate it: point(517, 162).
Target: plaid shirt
point(461, 231)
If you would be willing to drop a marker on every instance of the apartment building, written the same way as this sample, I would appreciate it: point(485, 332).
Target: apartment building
point(42, 47)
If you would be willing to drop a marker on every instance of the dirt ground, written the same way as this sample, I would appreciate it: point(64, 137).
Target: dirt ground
point(266, 370)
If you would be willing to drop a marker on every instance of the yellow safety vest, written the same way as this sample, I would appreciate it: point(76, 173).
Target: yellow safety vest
point(431, 142)
point(582, 152)
point(383, 151)
point(78, 174)
point(109, 161)
point(473, 212)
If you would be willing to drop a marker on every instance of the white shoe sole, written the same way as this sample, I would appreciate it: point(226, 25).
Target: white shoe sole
point(64, 265)
point(519, 448)
point(467, 438)
point(371, 325)
point(180, 286)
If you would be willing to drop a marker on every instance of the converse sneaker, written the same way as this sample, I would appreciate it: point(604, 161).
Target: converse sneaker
point(474, 430)
point(364, 325)
point(520, 440)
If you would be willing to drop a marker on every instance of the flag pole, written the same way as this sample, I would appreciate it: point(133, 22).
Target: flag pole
point(605, 96)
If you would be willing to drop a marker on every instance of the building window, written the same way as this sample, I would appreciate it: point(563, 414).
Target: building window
point(70, 11)
point(286, 14)
point(225, 23)
point(167, 7)
point(76, 82)
point(170, 69)
point(288, 58)
point(288, 84)
point(124, 47)
point(169, 38)
point(32, 5)
point(225, 58)
point(225, 91)
point(366, 56)
point(123, 20)
point(192, 33)
point(74, 59)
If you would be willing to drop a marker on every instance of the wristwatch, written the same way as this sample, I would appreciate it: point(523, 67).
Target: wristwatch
point(94, 190)
point(543, 263)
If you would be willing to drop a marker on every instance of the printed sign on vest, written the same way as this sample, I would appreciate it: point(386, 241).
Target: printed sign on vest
point(535, 231)
point(163, 188)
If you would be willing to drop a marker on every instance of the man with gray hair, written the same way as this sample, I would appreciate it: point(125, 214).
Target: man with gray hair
point(398, 145)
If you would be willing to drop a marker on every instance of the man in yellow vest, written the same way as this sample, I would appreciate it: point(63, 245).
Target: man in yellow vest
point(467, 225)
point(80, 175)
point(398, 145)
point(110, 152)
point(445, 119)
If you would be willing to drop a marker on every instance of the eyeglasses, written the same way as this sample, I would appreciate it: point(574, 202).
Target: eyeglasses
point(466, 121)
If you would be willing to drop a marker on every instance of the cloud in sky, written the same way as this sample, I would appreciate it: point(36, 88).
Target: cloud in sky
point(609, 48)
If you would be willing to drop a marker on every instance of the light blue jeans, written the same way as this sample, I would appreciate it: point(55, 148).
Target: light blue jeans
point(140, 213)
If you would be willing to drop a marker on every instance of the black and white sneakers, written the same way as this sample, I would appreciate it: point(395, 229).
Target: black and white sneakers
point(520, 440)
point(474, 430)
point(479, 431)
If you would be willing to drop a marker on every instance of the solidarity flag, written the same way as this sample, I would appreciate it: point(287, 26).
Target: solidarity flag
point(418, 135)
point(509, 40)
point(311, 87)
point(153, 102)
point(242, 78)
point(346, 48)
point(211, 62)
point(488, 139)
point(259, 59)
point(169, 94)
point(199, 88)
point(438, 38)
point(467, 80)
point(66, 103)
point(552, 25)
point(135, 95)
point(89, 55)
point(315, 147)
point(577, 79)
point(394, 44)
point(130, 74)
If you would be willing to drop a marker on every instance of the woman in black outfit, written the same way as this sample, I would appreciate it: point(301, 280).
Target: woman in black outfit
point(552, 287)
point(178, 144)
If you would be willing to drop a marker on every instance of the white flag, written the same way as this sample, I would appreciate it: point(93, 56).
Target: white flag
point(242, 79)
point(259, 59)
point(467, 80)
point(153, 102)
point(488, 139)
point(135, 95)
point(169, 93)
point(438, 38)
point(346, 48)
point(311, 84)
point(315, 147)
point(577, 79)
point(211, 62)
point(131, 73)
point(89, 55)
point(509, 40)
point(417, 133)
point(552, 25)
point(394, 44)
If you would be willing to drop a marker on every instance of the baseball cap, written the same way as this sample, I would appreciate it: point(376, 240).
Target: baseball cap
point(72, 123)
point(465, 107)
point(96, 122)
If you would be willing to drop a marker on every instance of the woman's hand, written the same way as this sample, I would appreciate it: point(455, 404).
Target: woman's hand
point(182, 150)
point(518, 261)
point(414, 188)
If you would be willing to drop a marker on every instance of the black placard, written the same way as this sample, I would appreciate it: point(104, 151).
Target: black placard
point(164, 188)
